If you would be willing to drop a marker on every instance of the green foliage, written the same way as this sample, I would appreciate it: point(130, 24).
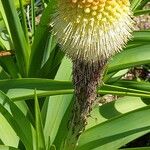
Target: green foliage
point(36, 91)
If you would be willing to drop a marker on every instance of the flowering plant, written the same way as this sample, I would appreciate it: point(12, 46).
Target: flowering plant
point(40, 106)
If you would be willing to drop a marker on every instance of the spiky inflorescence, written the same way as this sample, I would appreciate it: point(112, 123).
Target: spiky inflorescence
point(92, 29)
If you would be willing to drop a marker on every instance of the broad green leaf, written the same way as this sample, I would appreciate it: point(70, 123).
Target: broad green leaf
point(113, 109)
point(134, 84)
point(23, 89)
point(117, 128)
point(117, 90)
point(20, 89)
point(17, 120)
point(129, 58)
point(57, 104)
point(141, 36)
point(63, 128)
point(32, 83)
point(7, 134)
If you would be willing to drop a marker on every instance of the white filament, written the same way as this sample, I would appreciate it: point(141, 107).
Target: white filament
point(87, 38)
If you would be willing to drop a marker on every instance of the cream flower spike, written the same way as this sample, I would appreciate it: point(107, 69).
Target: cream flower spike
point(92, 29)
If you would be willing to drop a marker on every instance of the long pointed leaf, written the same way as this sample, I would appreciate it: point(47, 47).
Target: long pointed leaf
point(22, 89)
point(40, 141)
point(17, 120)
point(136, 56)
point(117, 128)
point(19, 41)
point(41, 34)
point(57, 104)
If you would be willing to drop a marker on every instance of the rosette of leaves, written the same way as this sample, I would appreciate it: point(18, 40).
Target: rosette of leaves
point(38, 63)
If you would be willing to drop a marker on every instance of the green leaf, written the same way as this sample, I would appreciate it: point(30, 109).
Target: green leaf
point(7, 63)
point(137, 148)
point(141, 12)
point(111, 89)
point(63, 128)
point(50, 68)
point(113, 109)
point(117, 128)
point(9, 66)
point(40, 142)
point(24, 2)
point(3, 147)
point(4, 19)
point(7, 134)
point(42, 34)
point(57, 104)
point(113, 77)
point(129, 58)
point(135, 4)
point(142, 4)
point(141, 36)
point(21, 47)
point(144, 86)
point(3, 74)
point(24, 20)
point(17, 120)
point(33, 16)
point(23, 89)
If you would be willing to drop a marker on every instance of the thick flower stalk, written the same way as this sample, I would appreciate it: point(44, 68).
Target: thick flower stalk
point(90, 32)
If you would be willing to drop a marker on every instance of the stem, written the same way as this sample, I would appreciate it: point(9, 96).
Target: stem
point(86, 77)
point(6, 53)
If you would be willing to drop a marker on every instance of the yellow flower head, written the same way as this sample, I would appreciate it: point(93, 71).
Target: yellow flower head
point(92, 29)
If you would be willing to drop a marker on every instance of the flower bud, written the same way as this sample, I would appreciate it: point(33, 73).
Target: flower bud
point(92, 29)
